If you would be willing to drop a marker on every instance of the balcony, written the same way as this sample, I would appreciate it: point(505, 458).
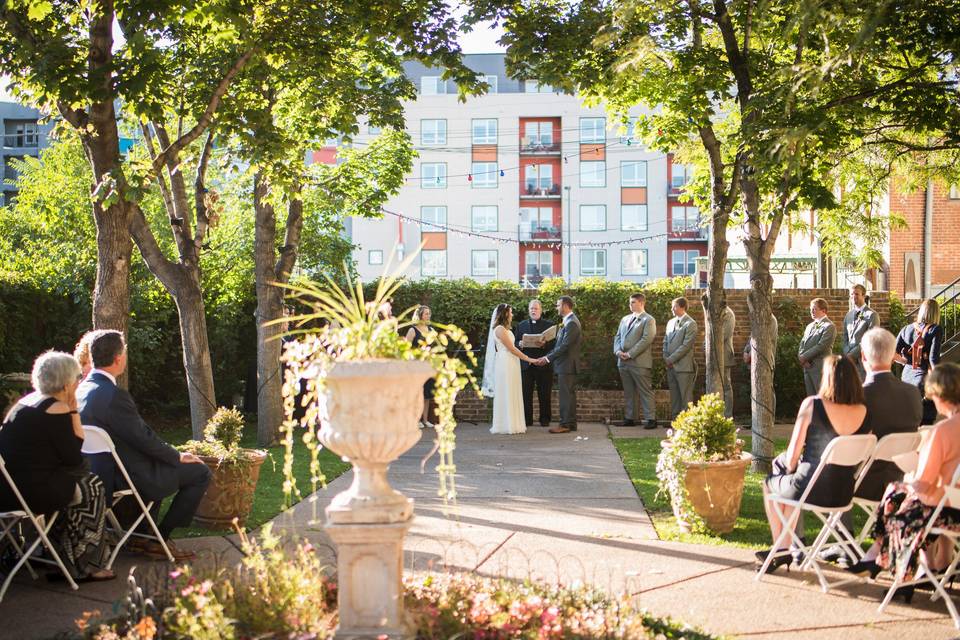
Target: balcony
point(538, 232)
point(689, 232)
point(539, 147)
point(534, 190)
point(21, 141)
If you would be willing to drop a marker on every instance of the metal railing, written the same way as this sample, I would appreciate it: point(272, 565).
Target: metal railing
point(538, 145)
point(536, 190)
point(537, 232)
point(949, 299)
point(21, 140)
point(689, 231)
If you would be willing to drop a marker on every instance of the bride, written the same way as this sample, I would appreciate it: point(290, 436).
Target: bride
point(501, 374)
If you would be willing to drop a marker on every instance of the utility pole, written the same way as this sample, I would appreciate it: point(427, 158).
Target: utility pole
point(568, 220)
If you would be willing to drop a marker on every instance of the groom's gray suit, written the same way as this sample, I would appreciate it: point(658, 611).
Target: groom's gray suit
point(565, 355)
point(635, 338)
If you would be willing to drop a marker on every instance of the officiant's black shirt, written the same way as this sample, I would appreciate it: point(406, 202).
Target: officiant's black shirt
point(534, 326)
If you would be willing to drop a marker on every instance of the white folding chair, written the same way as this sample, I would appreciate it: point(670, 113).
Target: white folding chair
point(951, 498)
point(891, 448)
point(847, 451)
point(96, 440)
point(10, 520)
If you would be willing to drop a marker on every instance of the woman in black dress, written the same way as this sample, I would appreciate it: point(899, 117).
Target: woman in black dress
point(40, 443)
point(416, 335)
point(838, 410)
point(918, 350)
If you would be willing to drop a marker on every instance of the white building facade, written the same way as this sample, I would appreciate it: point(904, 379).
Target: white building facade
point(524, 183)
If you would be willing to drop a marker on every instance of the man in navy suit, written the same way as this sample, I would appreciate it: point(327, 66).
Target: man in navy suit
point(156, 468)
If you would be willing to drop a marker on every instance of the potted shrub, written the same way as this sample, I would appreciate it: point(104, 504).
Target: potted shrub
point(235, 471)
point(702, 467)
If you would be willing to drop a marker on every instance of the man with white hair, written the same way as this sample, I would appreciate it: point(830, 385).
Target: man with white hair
point(893, 406)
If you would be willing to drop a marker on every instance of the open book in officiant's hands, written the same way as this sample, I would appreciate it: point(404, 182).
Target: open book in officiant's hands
point(534, 340)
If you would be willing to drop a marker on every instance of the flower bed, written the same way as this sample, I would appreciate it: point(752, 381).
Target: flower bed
point(281, 591)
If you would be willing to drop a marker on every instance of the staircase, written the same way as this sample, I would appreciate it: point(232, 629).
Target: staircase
point(949, 299)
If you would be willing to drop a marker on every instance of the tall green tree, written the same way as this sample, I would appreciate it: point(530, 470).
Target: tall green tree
point(775, 93)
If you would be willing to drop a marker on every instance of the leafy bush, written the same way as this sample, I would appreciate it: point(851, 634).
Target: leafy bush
point(701, 433)
point(221, 437)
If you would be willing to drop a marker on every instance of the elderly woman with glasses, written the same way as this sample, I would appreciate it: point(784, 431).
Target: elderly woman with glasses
point(40, 443)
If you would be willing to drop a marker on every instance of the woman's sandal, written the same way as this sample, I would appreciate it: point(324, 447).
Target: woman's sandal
point(101, 575)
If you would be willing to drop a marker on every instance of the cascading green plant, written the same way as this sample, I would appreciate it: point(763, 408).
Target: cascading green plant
point(342, 325)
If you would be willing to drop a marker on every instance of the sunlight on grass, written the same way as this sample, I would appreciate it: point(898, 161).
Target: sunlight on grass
point(268, 501)
point(639, 456)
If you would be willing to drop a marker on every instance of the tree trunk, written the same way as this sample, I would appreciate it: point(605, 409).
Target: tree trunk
point(714, 301)
point(762, 352)
point(269, 306)
point(196, 349)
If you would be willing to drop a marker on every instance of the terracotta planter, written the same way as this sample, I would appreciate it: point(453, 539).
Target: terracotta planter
point(230, 494)
point(715, 490)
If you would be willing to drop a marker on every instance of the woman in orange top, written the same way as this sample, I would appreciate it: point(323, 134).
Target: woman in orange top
point(907, 506)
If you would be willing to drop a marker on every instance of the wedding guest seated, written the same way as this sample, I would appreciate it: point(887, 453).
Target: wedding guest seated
point(156, 468)
point(837, 410)
point(82, 353)
point(40, 443)
point(907, 506)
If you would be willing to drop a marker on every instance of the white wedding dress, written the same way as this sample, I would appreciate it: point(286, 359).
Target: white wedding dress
point(508, 415)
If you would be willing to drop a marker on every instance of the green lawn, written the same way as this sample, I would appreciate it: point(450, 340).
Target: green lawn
point(269, 500)
point(639, 457)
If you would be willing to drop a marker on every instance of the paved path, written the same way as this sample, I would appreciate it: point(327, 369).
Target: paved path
point(557, 506)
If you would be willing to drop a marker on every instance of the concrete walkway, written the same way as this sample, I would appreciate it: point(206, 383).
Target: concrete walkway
point(553, 507)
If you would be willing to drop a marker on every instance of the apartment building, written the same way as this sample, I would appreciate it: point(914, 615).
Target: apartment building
point(23, 135)
point(524, 183)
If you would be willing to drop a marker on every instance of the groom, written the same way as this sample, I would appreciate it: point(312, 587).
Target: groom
point(564, 357)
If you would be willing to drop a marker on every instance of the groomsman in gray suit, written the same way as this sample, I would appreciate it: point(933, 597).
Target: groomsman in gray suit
point(632, 346)
point(857, 322)
point(678, 344)
point(816, 344)
point(728, 325)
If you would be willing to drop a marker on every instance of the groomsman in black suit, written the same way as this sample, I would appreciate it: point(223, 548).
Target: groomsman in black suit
point(539, 377)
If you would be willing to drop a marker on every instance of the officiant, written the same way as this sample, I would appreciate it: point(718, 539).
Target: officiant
point(539, 377)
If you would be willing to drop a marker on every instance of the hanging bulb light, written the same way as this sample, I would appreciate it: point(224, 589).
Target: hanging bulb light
point(501, 173)
point(469, 177)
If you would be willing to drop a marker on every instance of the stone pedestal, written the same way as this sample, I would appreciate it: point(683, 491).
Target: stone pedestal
point(370, 576)
point(369, 415)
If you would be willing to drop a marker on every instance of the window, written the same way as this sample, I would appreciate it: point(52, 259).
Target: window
point(433, 175)
point(485, 131)
point(532, 86)
point(955, 192)
point(679, 175)
point(633, 174)
point(538, 178)
point(633, 262)
point(484, 263)
point(432, 85)
point(433, 132)
point(21, 134)
point(593, 217)
point(633, 217)
point(492, 81)
point(684, 263)
point(686, 219)
point(593, 174)
point(536, 218)
point(630, 135)
point(483, 218)
point(375, 257)
point(434, 215)
point(484, 175)
point(537, 134)
point(433, 263)
point(593, 130)
point(538, 264)
point(593, 262)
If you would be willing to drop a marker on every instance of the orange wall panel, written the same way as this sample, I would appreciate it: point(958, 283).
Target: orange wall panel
point(633, 195)
point(593, 152)
point(433, 241)
point(484, 153)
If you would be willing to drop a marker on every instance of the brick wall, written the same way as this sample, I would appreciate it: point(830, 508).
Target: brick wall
point(592, 406)
point(945, 258)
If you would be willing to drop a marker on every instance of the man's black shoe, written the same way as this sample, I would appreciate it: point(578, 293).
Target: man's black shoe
point(628, 423)
point(651, 424)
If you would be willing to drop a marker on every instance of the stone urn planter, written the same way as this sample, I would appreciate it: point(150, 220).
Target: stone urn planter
point(369, 412)
point(715, 490)
point(231, 490)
